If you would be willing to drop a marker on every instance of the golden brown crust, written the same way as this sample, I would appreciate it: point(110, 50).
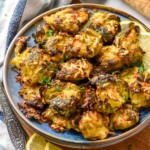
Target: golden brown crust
point(75, 70)
point(124, 118)
point(94, 126)
point(74, 79)
point(67, 20)
point(106, 24)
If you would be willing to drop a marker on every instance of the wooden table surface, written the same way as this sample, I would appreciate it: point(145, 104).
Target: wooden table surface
point(140, 141)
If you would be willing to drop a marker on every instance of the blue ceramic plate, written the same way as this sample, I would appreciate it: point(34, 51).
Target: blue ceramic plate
point(68, 138)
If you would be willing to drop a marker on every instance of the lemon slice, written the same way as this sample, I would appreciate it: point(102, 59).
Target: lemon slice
point(50, 146)
point(36, 142)
point(123, 23)
point(144, 43)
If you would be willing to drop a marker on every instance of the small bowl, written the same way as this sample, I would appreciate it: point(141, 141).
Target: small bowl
point(68, 138)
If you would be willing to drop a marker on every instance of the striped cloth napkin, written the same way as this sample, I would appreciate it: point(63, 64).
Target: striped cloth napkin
point(14, 14)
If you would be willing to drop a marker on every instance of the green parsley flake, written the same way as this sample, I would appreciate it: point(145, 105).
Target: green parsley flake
point(61, 61)
point(59, 89)
point(141, 69)
point(124, 97)
point(56, 70)
point(49, 33)
point(66, 56)
point(83, 40)
point(82, 88)
point(51, 64)
point(45, 80)
point(113, 73)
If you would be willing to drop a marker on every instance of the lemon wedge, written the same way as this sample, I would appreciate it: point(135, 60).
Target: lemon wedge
point(144, 43)
point(123, 23)
point(36, 142)
point(50, 146)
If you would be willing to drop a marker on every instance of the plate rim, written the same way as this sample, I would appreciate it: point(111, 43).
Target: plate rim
point(51, 137)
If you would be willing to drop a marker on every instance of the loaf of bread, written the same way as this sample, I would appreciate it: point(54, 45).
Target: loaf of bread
point(143, 6)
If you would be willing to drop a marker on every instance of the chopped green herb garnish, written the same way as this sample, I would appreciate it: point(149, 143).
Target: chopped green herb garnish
point(66, 56)
point(51, 64)
point(83, 40)
point(56, 70)
point(49, 87)
point(61, 61)
point(82, 88)
point(49, 33)
point(59, 89)
point(141, 69)
point(113, 73)
point(124, 97)
point(45, 80)
point(91, 43)
point(69, 88)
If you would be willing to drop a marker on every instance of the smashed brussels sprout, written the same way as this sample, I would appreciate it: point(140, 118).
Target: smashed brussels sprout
point(124, 118)
point(94, 126)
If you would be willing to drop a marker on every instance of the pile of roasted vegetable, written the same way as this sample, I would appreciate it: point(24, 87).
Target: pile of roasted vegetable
point(84, 73)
